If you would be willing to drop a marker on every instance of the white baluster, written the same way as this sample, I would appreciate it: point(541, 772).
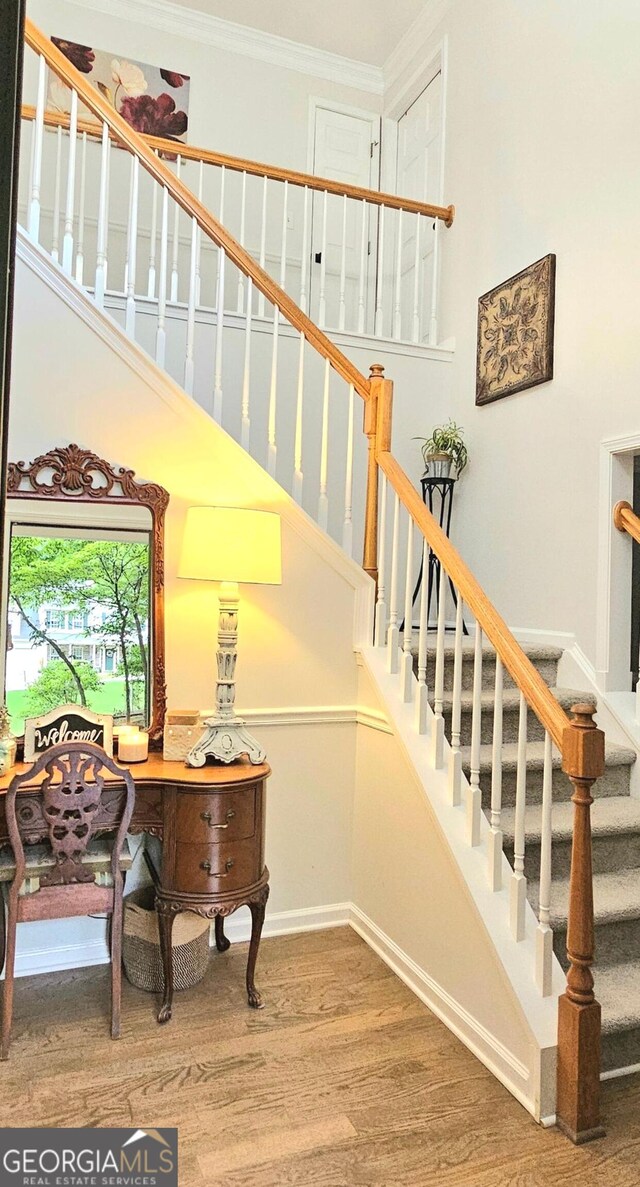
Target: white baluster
point(79, 272)
point(304, 261)
point(518, 893)
point(283, 238)
point(422, 695)
point(379, 319)
point(433, 324)
point(323, 501)
point(322, 315)
point(199, 237)
point(474, 795)
point(364, 250)
point(38, 133)
point(103, 219)
point(191, 310)
point(161, 338)
point(393, 633)
point(219, 292)
point(437, 737)
point(217, 380)
point(544, 934)
point(343, 267)
point(55, 235)
point(347, 526)
point(67, 238)
point(153, 235)
point(245, 432)
point(263, 242)
point(397, 305)
point(175, 259)
point(495, 832)
point(297, 439)
point(407, 636)
point(455, 755)
point(417, 297)
point(243, 211)
point(132, 250)
point(381, 605)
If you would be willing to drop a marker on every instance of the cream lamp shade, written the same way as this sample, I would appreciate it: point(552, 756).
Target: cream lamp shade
point(232, 544)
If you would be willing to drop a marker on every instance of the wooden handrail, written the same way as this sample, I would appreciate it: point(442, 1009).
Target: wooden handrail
point(626, 520)
point(527, 678)
point(138, 145)
point(190, 152)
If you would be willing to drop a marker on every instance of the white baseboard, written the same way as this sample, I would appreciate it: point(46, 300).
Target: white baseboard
point(284, 923)
point(515, 1076)
point(60, 957)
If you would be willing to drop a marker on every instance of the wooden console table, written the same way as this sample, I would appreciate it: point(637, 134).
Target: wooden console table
point(205, 849)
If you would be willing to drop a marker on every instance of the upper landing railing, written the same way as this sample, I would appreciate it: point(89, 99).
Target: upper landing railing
point(357, 260)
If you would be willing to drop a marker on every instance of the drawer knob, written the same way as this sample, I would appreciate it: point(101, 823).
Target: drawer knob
point(206, 816)
point(228, 866)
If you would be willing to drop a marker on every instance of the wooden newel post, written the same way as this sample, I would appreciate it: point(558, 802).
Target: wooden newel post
point(578, 1101)
point(377, 427)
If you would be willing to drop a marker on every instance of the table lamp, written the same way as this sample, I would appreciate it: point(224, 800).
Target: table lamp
point(229, 545)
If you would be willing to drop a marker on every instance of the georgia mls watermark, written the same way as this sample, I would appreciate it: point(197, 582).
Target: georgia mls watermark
point(88, 1158)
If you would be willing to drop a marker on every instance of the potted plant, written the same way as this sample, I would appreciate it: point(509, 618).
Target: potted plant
point(444, 449)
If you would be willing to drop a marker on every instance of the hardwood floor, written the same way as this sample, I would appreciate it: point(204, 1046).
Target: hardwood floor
point(344, 1079)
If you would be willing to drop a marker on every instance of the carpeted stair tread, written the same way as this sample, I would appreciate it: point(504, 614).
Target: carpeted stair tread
point(616, 897)
point(618, 991)
point(511, 699)
point(615, 756)
point(536, 652)
point(615, 814)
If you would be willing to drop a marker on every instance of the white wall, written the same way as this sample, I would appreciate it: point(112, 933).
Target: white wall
point(542, 155)
point(296, 640)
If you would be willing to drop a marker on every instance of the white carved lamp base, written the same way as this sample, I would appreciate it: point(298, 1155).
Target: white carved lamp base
point(226, 741)
point(226, 738)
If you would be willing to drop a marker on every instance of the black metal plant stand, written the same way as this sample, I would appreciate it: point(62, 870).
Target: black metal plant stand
point(441, 509)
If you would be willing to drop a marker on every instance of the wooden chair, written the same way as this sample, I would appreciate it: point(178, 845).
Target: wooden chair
point(77, 871)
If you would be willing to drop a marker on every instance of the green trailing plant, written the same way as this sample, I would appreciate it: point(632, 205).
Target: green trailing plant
point(447, 438)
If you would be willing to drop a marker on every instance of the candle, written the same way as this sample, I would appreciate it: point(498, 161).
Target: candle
point(133, 745)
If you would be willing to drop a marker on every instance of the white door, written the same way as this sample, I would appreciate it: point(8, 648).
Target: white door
point(346, 149)
point(418, 176)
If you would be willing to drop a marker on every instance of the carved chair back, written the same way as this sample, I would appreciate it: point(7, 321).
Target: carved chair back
point(67, 808)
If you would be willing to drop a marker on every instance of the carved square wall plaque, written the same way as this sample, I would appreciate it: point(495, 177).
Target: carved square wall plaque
point(515, 333)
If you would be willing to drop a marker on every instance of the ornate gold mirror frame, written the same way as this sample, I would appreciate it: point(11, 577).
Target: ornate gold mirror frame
point(80, 476)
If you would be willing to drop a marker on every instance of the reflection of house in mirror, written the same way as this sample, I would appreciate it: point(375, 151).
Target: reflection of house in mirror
point(74, 632)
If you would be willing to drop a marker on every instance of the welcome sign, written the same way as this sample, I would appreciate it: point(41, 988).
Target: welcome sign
point(69, 723)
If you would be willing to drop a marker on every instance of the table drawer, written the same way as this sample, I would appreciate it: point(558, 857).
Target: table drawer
point(212, 819)
point(216, 869)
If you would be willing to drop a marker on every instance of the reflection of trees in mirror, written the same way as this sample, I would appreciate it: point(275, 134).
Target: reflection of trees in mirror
point(82, 609)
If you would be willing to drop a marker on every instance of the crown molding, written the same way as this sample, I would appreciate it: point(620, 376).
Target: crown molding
point(414, 40)
point(241, 39)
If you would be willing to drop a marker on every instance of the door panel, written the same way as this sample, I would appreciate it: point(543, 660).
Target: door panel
point(342, 152)
point(418, 176)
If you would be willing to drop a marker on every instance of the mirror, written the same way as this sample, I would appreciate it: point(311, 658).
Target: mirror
point(85, 590)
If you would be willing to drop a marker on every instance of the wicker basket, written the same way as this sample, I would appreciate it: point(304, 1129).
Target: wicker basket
point(141, 945)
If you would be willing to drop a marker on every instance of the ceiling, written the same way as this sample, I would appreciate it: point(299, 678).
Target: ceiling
point(367, 30)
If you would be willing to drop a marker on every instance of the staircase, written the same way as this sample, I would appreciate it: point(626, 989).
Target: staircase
point(486, 729)
point(615, 820)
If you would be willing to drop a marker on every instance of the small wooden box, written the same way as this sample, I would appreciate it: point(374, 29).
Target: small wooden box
point(182, 728)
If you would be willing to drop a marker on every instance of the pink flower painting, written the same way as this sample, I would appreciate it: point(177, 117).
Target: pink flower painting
point(136, 90)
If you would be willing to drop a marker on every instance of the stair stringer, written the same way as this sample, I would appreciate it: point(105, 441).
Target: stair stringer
point(530, 1077)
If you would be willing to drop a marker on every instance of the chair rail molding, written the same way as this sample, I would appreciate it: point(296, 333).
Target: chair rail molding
point(234, 38)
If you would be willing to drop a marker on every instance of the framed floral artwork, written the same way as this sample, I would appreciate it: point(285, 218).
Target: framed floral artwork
point(153, 100)
point(515, 333)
